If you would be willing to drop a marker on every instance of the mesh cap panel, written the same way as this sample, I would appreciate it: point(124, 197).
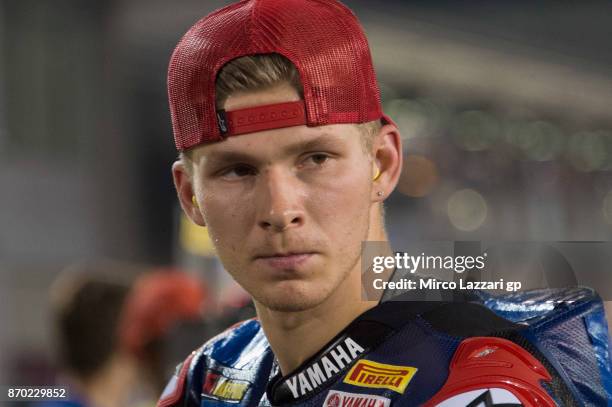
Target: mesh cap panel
point(322, 38)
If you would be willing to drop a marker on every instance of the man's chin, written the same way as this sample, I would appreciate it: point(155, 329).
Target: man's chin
point(292, 297)
point(287, 306)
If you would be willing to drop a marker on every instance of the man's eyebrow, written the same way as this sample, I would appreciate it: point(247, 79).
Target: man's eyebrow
point(321, 141)
point(224, 157)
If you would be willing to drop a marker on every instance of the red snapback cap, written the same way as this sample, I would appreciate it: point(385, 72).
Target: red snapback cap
point(322, 38)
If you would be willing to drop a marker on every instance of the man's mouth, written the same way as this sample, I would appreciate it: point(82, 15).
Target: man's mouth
point(289, 260)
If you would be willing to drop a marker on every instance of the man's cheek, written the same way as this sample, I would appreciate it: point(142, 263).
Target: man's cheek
point(224, 234)
point(347, 215)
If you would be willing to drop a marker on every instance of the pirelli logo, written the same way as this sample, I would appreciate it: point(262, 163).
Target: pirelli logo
point(366, 373)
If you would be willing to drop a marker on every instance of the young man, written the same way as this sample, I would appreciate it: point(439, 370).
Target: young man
point(287, 158)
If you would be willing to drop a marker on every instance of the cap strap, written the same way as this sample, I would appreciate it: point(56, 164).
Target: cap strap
point(260, 118)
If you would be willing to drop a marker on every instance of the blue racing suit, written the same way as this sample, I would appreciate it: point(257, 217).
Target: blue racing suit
point(536, 348)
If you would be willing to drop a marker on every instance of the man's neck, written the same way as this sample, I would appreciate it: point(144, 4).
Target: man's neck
point(296, 336)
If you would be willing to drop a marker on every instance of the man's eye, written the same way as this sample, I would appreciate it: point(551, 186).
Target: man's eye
point(318, 159)
point(238, 171)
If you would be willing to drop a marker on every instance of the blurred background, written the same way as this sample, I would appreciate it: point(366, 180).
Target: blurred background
point(505, 110)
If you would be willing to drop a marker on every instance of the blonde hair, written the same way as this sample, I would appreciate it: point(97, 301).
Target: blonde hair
point(255, 72)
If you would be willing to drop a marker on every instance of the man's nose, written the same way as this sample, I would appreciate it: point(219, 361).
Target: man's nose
point(280, 201)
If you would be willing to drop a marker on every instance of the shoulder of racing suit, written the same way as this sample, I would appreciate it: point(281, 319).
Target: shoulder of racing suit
point(539, 348)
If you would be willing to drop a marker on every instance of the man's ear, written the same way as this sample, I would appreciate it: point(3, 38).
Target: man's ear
point(387, 155)
point(183, 182)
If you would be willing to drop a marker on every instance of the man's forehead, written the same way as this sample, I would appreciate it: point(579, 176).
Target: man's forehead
point(279, 142)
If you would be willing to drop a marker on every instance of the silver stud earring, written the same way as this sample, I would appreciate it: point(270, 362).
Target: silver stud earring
point(379, 193)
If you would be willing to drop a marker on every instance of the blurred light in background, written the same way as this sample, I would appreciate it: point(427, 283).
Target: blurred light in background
point(607, 139)
point(587, 151)
point(194, 239)
point(475, 130)
point(419, 176)
point(542, 141)
point(409, 115)
point(467, 210)
point(607, 207)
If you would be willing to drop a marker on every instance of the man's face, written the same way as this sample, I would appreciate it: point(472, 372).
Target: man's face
point(287, 209)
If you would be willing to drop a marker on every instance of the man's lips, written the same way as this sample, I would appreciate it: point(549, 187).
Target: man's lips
point(285, 261)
